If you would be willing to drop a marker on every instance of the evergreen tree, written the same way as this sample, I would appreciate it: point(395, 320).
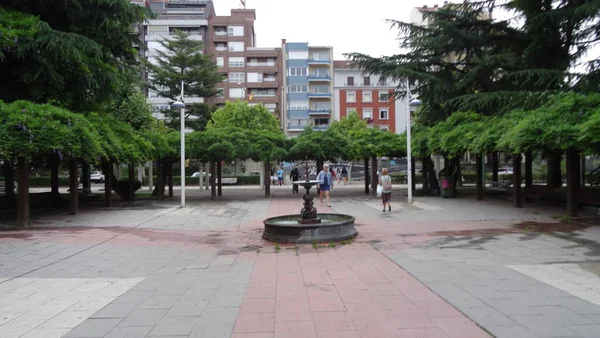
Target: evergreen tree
point(183, 60)
point(66, 52)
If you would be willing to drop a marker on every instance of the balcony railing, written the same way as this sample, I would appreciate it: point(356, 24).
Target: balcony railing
point(221, 33)
point(314, 94)
point(269, 79)
point(378, 84)
point(319, 61)
point(221, 49)
point(319, 77)
point(297, 124)
point(261, 64)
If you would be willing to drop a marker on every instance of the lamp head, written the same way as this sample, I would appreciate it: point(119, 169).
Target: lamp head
point(177, 105)
point(415, 103)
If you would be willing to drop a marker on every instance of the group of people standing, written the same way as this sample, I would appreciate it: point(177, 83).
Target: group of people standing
point(327, 177)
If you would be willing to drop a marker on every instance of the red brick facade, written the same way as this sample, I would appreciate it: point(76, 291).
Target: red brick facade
point(374, 105)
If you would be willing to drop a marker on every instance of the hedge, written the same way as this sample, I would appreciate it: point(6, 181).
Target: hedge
point(241, 180)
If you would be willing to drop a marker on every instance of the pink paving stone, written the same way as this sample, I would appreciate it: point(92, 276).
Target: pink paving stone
point(409, 318)
point(376, 329)
point(332, 321)
point(258, 306)
point(355, 296)
point(338, 334)
point(295, 329)
point(421, 294)
point(386, 289)
point(316, 277)
point(438, 309)
point(341, 274)
point(321, 291)
point(254, 322)
point(259, 292)
point(366, 312)
point(349, 284)
point(253, 335)
point(326, 304)
point(293, 295)
point(292, 312)
point(423, 333)
point(394, 302)
point(460, 328)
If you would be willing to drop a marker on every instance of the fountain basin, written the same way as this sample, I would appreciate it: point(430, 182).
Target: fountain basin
point(288, 229)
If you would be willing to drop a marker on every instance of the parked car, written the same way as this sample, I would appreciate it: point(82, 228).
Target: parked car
point(197, 173)
point(96, 177)
point(505, 171)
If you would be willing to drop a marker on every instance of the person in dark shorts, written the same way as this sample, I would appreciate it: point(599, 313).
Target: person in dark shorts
point(295, 176)
point(385, 181)
point(345, 175)
point(326, 184)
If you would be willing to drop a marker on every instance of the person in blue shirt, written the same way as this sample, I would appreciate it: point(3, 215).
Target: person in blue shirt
point(326, 183)
point(280, 176)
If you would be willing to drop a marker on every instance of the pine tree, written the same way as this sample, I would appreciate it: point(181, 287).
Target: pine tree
point(183, 60)
point(66, 52)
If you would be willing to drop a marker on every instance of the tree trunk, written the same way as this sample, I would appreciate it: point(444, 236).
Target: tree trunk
point(73, 186)
point(479, 176)
point(350, 171)
point(108, 173)
point(518, 192)
point(455, 163)
point(169, 173)
point(459, 182)
point(554, 159)
point(319, 165)
point(424, 174)
point(23, 199)
point(54, 181)
point(131, 185)
point(85, 178)
point(366, 175)
point(9, 181)
point(267, 179)
point(374, 178)
point(495, 160)
point(220, 185)
point(412, 174)
point(573, 181)
point(213, 187)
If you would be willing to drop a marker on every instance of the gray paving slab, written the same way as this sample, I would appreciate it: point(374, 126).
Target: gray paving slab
point(94, 327)
point(175, 326)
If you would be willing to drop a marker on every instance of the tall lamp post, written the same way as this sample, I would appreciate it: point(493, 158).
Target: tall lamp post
point(181, 106)
point(409, 104)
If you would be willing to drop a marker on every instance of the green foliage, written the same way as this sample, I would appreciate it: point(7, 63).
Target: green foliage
point(134, 110)
point(183, 60)
point(69, 52)
point(454, 136)
point(318, 145)
point(29, 130)
point(240, 114)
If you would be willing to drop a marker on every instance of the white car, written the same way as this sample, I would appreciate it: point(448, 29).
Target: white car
point(96, 177)
point(196, 174)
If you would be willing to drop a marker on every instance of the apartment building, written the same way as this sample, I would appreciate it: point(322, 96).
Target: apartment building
point(308, 85)
point(371, 96)
point(252, 74)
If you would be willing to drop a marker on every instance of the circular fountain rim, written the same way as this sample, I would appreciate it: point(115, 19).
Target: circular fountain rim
point(349, 219)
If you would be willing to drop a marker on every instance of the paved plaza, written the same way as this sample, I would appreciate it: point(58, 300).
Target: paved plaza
point(452, 268)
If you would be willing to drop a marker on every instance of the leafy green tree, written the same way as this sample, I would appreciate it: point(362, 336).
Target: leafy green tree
point(66, 52)
point(240, 114)
point(183, 60)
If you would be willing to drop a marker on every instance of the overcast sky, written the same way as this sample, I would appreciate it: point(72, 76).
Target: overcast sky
point(347, 25)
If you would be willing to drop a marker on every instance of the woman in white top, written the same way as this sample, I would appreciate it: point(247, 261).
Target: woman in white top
point(386, 183)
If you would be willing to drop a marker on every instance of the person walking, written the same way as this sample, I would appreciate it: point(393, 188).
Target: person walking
point(326, 184)
point(295, 176)
point(345, 175)
point(386, 183)
point(280, 176)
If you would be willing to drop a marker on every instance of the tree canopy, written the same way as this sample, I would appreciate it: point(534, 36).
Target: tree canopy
point(242, 115)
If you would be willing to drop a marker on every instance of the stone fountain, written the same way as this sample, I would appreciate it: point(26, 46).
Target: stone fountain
point(309, 226)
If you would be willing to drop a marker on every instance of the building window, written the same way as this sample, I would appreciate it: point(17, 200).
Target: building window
point(323, 56)
point(383, 96)
point(236, 93)
point(235, 30)
point(321, 122)
point(220, 47)
point(220, 61)
point(367, 113)
point(298, 105)
point(366, 96)
point(350, 110)
point(236, 46)
point(220, 92)
point(296, 71)
point(255, 77)
point(350, 97)
point(367, 80)
point(236, 77)
point(299, 88)
point(382, 81)
point(297, 55)
point(350, 81)
point(236, 62)
point(384, 128)
point(384, 114)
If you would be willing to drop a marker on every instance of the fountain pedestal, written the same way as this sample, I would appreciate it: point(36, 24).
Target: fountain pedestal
point(308, 214)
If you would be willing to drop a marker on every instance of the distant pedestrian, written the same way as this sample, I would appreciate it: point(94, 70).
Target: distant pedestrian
point(280, 176)
point(386, 183)
point(295, 176)
point(345, 175)
point(326, 184)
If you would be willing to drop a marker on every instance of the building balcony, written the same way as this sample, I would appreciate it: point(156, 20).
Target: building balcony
point(319, 95)
point(319, 62)
point(221, 49)
point(263, 84)
point(319, 111)
point(264, 98)
point(319, 78)
point(262, 52)
point(297, 124)
point(264, 67)
point(220, 37)
point(379, 84)
point(321, 127)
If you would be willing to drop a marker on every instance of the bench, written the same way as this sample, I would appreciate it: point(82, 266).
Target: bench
point(229, 180)
point(500, 186)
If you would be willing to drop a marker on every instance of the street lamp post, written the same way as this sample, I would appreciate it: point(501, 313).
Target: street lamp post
point(181, 106)
point(409, 104)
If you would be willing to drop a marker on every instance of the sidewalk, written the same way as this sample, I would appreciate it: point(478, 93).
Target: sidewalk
point(435, 268)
